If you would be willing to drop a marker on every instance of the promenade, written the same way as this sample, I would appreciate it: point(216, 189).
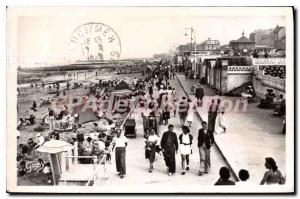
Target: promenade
point(250, 136)
point(137, 166)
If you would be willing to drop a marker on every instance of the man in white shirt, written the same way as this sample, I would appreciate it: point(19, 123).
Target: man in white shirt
point(120, 143)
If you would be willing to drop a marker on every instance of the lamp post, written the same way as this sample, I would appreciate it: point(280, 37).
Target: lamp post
point(191, 34)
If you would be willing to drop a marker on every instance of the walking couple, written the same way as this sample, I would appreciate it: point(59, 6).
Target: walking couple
point(169, 145)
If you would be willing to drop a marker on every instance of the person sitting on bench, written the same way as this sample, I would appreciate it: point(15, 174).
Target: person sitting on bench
point(268, 101)
point(279, 105)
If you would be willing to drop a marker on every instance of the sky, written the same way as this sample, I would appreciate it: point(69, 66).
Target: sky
point(43, 34)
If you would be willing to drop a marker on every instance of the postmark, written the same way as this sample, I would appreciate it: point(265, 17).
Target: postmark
point(95, 42)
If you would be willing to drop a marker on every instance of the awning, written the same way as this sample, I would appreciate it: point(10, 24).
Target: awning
point(54, 146)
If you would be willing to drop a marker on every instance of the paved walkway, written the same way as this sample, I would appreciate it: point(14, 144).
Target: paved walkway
point(251, 135)
point(137, 165)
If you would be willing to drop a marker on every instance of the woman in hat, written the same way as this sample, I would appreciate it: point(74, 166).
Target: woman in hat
point(273, 175)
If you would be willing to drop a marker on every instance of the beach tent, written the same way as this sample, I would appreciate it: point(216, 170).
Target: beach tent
point(85, 114)
point(122, 86)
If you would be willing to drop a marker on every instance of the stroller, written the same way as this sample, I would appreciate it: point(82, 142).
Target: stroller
point(129, 127)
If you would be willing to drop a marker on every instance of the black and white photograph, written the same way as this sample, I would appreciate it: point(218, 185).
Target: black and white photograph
point(150, 99)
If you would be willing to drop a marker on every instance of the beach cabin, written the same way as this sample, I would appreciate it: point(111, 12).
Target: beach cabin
point(227, 73)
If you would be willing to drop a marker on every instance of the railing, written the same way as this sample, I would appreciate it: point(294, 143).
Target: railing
point(94, 174)
point(66, 165)
point(239, 69)
point(269, 61)
point(274, 82)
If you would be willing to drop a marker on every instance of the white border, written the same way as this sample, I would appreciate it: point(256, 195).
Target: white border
point(290, 109)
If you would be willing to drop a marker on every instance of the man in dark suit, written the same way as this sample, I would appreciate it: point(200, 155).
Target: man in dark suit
point(205, 141)
point(169, 145)
point(199, 94)
point(212, 115)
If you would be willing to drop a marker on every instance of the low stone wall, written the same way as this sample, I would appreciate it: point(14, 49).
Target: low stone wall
point(235, 76)
point(262, 83)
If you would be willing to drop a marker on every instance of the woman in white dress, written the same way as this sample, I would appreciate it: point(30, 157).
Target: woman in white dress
point(185, 141)
point(220, 125)
point(190, 117)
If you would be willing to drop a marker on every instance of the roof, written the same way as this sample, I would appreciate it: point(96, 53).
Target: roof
point(243, 39)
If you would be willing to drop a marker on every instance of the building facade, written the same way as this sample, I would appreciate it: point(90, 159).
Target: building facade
point(210, 44)
point(242, 46)
point(271, 38)
point(280, 38)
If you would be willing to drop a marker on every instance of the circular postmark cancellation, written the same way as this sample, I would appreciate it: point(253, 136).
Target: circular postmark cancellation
point(95, 42)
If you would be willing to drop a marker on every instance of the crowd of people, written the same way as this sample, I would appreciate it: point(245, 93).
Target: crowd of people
point(277, 103)
point(167, 144)
point(271, 101)
point(170, 145)
point(64, 124)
